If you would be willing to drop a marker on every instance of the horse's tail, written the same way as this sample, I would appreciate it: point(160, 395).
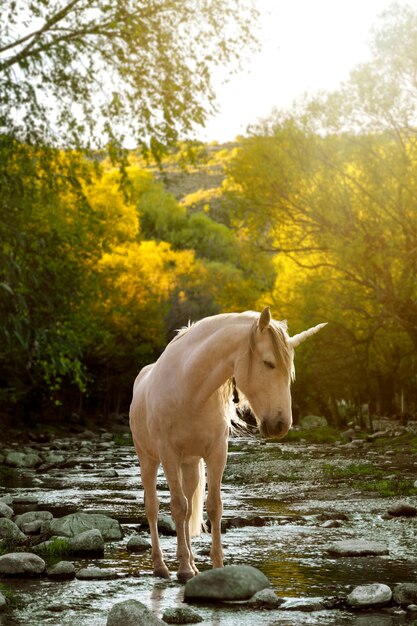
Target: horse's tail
point(196, 519)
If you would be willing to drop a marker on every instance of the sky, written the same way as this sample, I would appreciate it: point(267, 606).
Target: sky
point(306, 46)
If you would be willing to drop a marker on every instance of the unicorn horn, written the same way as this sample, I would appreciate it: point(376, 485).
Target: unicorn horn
point(297, 339)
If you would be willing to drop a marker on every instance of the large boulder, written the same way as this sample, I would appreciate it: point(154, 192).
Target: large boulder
point(21, 564)
point(32, 516)
point(88, 542)
point(132, 613)
point(310, 422)
point(233, 582)
point(372, 595)
point(10, 532)
point(76, 523)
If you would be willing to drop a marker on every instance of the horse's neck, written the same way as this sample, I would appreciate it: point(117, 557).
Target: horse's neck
point(210, 350)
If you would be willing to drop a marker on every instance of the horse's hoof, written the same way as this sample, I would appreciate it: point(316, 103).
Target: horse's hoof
point(161, 572)
point(184, 576)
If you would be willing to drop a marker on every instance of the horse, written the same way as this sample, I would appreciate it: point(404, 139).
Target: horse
point(180, 416)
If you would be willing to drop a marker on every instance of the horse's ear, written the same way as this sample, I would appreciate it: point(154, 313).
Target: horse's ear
point(264, 319)
point(297, 339)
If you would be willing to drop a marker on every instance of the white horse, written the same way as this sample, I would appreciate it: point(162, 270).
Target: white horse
point(179, 416)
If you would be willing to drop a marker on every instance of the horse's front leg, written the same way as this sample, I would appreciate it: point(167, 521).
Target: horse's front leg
point(179, 509)
point(215, 467)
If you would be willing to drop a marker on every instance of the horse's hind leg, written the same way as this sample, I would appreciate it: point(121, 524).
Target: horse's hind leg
point(149, 470)
point(190, 480)
point(179, 508)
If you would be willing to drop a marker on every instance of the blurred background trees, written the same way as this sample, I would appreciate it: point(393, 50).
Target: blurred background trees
point(103, 255)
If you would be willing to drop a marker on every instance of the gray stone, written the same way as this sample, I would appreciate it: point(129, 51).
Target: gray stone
point(405, 593)
point(138, 544)
point(64, 570)
point(76, 523)
point(21, 564)
point(5, 510)
point(7, 500)
point(310, 422)
point(265, 599)
point(357, 547)
point(32, 528)
point(166, 525)
point(372, 595)
point(22, 459)
point(181, 615)
point(233, 582)
point(3, 602)
point(303, 604)
point(96, 573)
point(403, 509)
point(11, 532)
point(32, 516)
point(132, 613)
point(88, 542)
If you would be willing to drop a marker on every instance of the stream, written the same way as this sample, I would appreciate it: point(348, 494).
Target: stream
point(288, 485)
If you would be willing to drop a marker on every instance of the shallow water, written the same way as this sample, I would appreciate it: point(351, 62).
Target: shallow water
point(290, 550)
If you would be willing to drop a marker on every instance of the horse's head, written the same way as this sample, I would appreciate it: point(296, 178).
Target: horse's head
point(266, 379)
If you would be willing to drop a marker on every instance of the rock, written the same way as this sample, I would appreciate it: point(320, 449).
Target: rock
point(166, 525)
point(303, 604)
point(32, 516)
point(76, 523)
point(11, 532)
point(138, 544)
point(403, 509)
point(333, 515)
point(5, 510)
point(265, 599)
point(132, 613)
point(7, 500)
point(88, 542)
point(3, 602)
point(357, 547)
point(181, 615)
point(233, 582)
point(22, 459)
point(310, 422)
point(52, 458)
point(21, 564)
point(96, 573)
point(64, 570)
point(331, 523)
point(405, 593)
point(32, 528)
point(372, 595)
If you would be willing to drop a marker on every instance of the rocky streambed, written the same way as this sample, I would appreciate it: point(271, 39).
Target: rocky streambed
point(332, 528)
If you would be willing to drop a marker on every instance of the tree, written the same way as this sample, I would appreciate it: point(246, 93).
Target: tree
point(77, 73)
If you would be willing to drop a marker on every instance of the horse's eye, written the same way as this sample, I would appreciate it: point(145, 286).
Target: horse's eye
point(270, 365)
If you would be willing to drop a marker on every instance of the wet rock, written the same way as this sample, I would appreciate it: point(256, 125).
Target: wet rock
point(96, 573)
point(311, 422)
point(331, 523)
point(181, 615)
point(7, 500)
point(5, 510)
point(3, 602)
point(138, 544)
point(32, 516)
point(10, 532)
point(21, 564)
point(303, 604)
point(372, 595)
point(111, 473)
point(357, 547)
point(265, 599)
point(402, 509)
point(166, 525)
point(233, 582)
point(76, 523)
point(32, 528)
point(405, 593)
point(64, 570)
point(333, 515)
point(22, 504)
point(412, 608)
point(88, 542)
point(22, 459)
point(132, 613)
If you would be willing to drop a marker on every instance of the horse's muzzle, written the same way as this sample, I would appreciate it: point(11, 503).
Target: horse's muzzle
point(274, 427)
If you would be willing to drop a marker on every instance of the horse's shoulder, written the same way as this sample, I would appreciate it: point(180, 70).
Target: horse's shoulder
point(142, 374)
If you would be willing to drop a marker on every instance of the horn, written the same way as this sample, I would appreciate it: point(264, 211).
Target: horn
point(264, 319)
point(297, 339)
